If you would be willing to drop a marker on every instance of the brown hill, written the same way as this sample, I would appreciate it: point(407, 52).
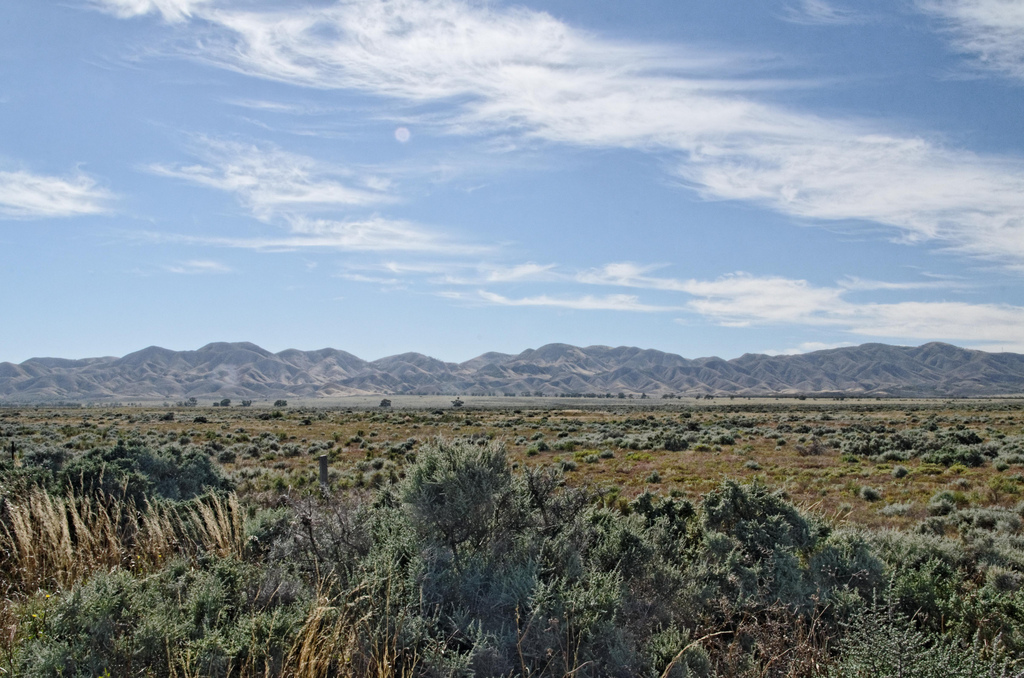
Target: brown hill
point(244, 370)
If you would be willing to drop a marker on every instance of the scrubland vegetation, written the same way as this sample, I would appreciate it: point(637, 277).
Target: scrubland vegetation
point(811, 539)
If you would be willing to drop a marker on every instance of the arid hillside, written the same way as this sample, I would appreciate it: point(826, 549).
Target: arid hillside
point(244, 370)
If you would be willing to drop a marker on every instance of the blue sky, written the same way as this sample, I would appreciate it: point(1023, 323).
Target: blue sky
point(453, 177)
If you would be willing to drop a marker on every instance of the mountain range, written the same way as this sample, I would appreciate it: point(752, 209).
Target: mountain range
point(244, 370)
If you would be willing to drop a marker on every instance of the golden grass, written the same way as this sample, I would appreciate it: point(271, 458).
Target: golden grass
point(343, 638)
point(823, 482)
point(49, 542)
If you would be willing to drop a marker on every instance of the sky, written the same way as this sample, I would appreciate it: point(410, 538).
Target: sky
point(453, 176)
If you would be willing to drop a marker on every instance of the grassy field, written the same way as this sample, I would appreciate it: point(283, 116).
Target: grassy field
point(807, 449)
point(515, 537)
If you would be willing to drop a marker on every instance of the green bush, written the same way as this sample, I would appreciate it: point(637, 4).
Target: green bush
point(955, 454)
point(675, 443)
point(214, 620)
point(469, 566)
point(881, 643)
point(869, 493)
point(454, 490)
point(128, 471)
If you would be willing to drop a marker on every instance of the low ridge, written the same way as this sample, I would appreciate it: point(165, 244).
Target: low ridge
point(245, 370)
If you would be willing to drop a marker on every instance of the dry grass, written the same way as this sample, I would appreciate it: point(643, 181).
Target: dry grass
point(49, 542)
point(344, 637)
point(821, 482)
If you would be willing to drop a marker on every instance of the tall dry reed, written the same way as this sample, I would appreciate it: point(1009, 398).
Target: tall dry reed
point(352, 636)
point(50, 542)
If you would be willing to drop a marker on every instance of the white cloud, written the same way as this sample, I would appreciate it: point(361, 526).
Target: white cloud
point(611, 302)
point(517, 70)
point(979, 323)
point(24, 195)
point(378, 234)
point(743, 300)
point(736, 300)
point(367, 235)
point(171, 10)
point(529, 271)
point(990, 30)
point(197, 266)
point(740, 300)
point(818, 12)
point(808, 347)
point(463, 273)
point(485, 273)
point(630, 275)
point(270, 181)
point(292, 190)
point(359, 277)
point(861, 285)
point(525, 70)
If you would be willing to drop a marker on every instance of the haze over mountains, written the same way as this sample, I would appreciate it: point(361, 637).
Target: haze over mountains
point(244, 370)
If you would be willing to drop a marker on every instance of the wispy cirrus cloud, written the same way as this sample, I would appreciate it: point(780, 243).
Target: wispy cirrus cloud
point(271, 182)
point(170, 10)
point(198, 267)
point(992, 31)
point(486, 273)
point(610, 302)
point(302, 195)
point(854, 283)
point(375, 234)
point(738, 300)
point(819, 13)
point(743, 300)
point(25, 195)
point(522, 71)
point(463, 273)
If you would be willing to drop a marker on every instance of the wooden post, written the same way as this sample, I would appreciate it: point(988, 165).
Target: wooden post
point(323, 471)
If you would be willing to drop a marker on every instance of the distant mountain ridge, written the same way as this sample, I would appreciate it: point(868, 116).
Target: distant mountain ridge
point(244, 370)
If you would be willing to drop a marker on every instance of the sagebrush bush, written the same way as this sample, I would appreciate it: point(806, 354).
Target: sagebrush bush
point(881, 643)
point(221, 619)
point(460, 564)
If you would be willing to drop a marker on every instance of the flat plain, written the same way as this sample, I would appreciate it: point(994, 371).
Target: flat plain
point(869, 461)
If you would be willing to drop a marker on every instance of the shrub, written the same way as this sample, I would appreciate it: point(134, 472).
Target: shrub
point(453, 491)
point(880, 642)
point(134, 473)
point(869, 493)
point(180, 621)
point(674, 443)
point(942, 503)
point(955, 454)
point(896, 509)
